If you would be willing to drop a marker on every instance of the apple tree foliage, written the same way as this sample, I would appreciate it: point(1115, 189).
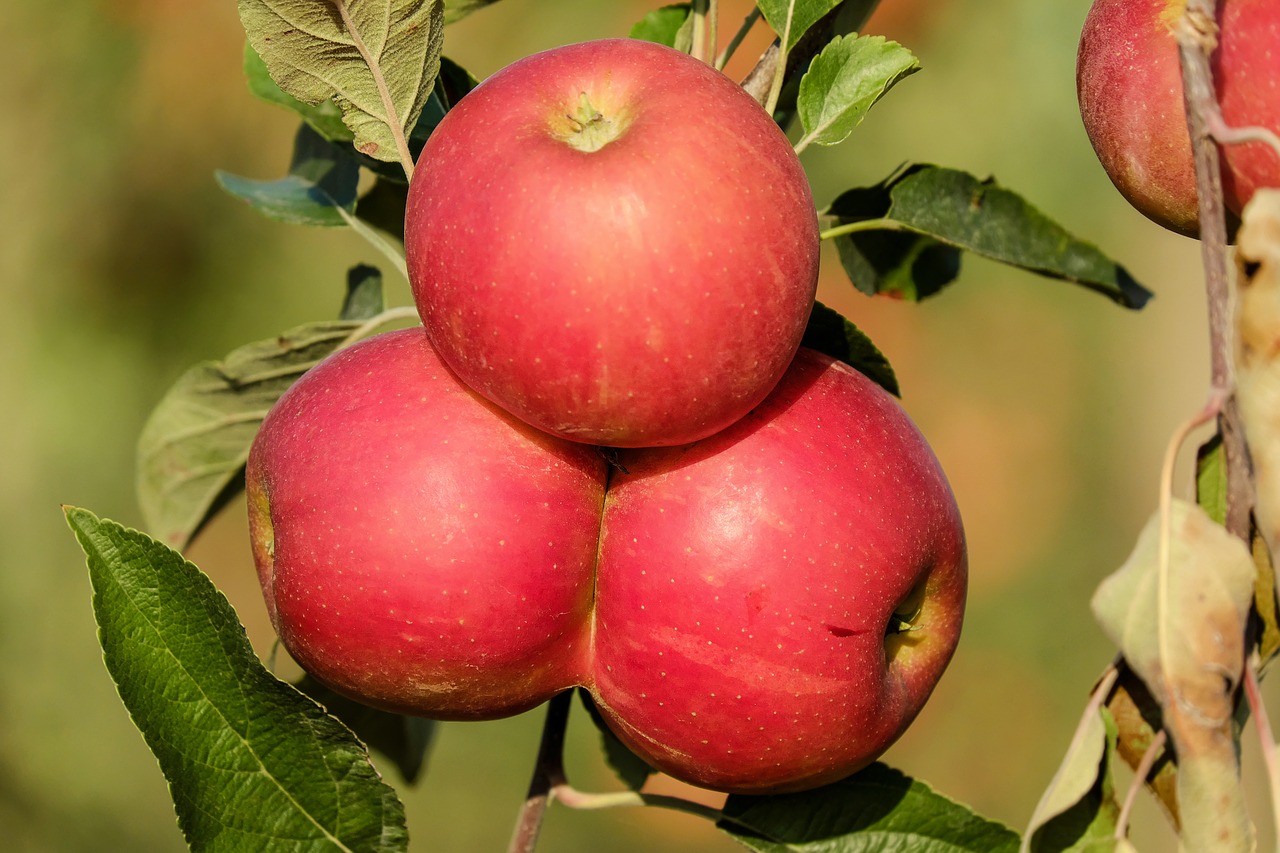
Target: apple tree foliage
point(257, 764)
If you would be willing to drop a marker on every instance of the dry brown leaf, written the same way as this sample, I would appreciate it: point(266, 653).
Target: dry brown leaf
point(1257, 353)
point(1191, 654)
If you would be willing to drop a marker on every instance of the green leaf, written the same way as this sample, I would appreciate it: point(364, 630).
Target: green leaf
point(876, 809)
point(665, 26)
point(1211, 479)
point(791, 19)
point(252, 764)
point(377, 59)
point(364, 294)
point(830, 333)
point(322, 178)
point(898, 264)
point(844, 81)
point(632, 770)
point(954, 209)
point(452, 85)
point(192, 450)
point(404, 740)
point(325, 117)
point(456, 10)
point(1079, 811)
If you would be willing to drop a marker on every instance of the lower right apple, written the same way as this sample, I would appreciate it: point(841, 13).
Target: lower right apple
point(775, 604)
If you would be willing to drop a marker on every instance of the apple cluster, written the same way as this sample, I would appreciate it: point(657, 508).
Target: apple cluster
point(604, 461)
point(1129, 81)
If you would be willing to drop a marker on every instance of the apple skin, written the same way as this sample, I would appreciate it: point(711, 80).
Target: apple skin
point(649, 292)
point(420, 550)
point(728, 603)
point(746, 585)
point(1129, 83)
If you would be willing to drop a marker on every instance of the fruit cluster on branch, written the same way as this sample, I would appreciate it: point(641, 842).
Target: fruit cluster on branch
point(760, 588)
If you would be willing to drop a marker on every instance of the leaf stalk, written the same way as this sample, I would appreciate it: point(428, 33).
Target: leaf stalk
point(881, 224)
point(734, 43)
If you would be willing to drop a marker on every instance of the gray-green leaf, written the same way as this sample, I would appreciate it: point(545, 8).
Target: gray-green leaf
point(252, 764)
point(954, 208)
point(377, 59)
point(193, 448)
point(325, 117)
point(873, 810)
point(323, 177)
point(791, 19)
point(844, 81)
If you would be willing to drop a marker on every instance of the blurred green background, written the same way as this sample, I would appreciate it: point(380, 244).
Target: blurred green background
point(123, 264)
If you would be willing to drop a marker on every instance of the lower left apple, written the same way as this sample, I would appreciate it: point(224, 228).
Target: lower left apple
point(419, 549)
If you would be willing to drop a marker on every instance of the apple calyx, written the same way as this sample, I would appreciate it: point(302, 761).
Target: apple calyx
point(589, 129)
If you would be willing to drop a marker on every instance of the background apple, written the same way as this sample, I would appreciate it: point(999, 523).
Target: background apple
point(420, 550)
point(1130, 88)
point(746, 636)
point(613, 242)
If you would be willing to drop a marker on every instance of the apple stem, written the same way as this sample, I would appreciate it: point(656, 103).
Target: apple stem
point(734, 43)
point(779, 74)
point(704, 14)
point(549, 782)
point(548, 773)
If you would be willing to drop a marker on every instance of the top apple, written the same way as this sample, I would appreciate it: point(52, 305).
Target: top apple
point(1129, 81)
point(615, 243)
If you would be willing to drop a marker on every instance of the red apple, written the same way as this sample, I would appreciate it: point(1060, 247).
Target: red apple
point(613, 242)
point(765, 610)
point(774, 604)
point(419, 549)
point(1129, 82)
